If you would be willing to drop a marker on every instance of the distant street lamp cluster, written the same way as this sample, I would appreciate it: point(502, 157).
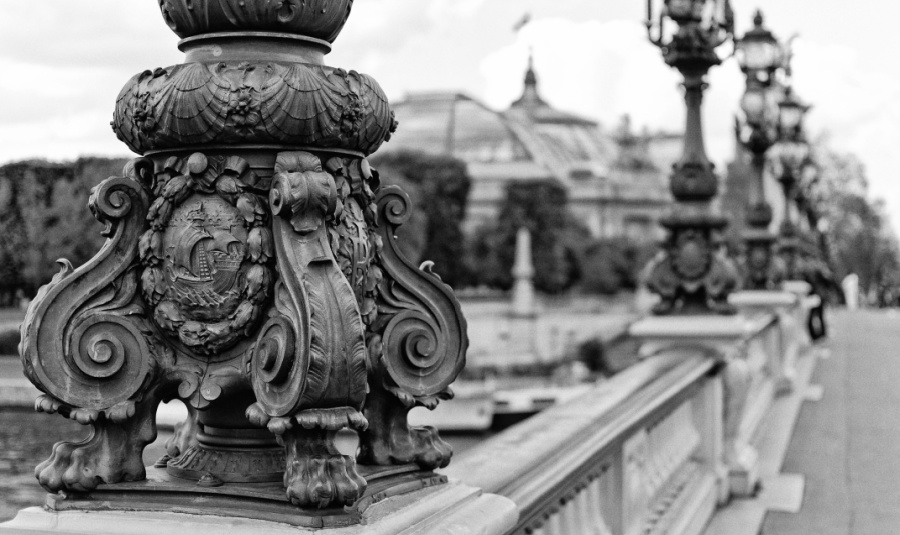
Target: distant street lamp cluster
point(694, 275)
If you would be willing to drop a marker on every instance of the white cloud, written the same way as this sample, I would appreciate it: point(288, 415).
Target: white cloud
point(604, 70)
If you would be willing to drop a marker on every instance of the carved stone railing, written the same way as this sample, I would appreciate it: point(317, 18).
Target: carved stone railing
point(658, 447)
point(632, 453)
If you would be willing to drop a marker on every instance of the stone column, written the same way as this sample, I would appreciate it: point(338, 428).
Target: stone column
point(523, 302)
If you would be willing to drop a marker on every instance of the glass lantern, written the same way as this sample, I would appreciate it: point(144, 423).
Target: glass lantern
point(793, 155)
point(790, 114)
point(755, 106)
point(758, 52)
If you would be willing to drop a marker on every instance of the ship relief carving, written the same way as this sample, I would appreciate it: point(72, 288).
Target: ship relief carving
point(206, 255)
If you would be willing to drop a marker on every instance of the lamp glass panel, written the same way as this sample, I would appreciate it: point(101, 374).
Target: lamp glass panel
point(758, 54)
point(754, 106)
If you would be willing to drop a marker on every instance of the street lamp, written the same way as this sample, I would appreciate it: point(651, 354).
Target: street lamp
point(692, 275)
point(760, 55)
point(793, 155)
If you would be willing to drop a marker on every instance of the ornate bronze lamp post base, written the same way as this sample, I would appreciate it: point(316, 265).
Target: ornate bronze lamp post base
point(160, 492)
point(251, 271)
point(691, 274)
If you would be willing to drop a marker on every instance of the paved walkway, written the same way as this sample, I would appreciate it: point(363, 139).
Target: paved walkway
point(848, 444)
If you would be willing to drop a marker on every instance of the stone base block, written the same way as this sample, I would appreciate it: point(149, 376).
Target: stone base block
point(451, 508)
point(718, 333)
point(785, 384)
point(762, 300)
point(743, 475)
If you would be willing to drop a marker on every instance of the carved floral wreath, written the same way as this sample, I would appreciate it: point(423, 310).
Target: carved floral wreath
point(233, 181)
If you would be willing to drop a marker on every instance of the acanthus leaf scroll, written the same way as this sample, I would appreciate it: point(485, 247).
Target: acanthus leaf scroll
point(417, 347)
point(85, 344)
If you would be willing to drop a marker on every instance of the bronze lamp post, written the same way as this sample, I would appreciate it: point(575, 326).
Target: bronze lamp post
point(691, 274)
point(252, 271)
point(792, 157)
point(759, 55)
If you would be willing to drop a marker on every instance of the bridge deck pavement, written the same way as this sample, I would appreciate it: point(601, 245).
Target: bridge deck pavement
point(847, 445)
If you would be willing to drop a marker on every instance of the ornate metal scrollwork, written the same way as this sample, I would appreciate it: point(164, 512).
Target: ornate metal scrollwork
point(690, 275)
point(84, 345)
point(417, 348)
point(82, 340)
point(309, 366)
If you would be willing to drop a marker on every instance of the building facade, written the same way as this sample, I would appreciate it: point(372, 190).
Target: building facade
point(616, 182)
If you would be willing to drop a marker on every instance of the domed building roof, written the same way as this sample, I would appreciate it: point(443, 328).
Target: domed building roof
point(529, 131)
point(535, 141)
point(454, 124)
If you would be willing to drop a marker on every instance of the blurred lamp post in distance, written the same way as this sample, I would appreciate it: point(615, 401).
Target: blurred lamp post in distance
point(793, 155)
point(691, 274)
point(760, 56)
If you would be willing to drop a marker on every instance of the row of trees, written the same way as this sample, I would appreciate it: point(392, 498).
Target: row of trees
point(565, 255)
point(44, 217)
point(858, 237)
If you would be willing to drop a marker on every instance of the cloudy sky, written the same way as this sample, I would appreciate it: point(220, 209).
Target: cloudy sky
point(63, 63)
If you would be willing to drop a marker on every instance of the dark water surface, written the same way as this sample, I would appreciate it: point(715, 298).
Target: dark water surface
point(26, 440)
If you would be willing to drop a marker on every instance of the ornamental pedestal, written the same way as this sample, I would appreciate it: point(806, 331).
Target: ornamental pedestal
point(691, 274)
point(252, 271)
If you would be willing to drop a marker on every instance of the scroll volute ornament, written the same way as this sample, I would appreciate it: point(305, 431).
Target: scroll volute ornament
point(312, 350)
point(309, 367)
point(85, 345)
point(82, 340)
point(416, 349)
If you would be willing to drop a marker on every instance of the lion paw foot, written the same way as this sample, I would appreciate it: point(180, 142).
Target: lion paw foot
point(82, 466)
point(323, 480)
point(428, 449)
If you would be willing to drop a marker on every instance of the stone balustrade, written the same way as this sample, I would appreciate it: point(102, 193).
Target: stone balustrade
point(657, 448)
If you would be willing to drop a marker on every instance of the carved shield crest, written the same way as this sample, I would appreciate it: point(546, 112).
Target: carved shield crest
point(206, 253)
point(692, 255)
